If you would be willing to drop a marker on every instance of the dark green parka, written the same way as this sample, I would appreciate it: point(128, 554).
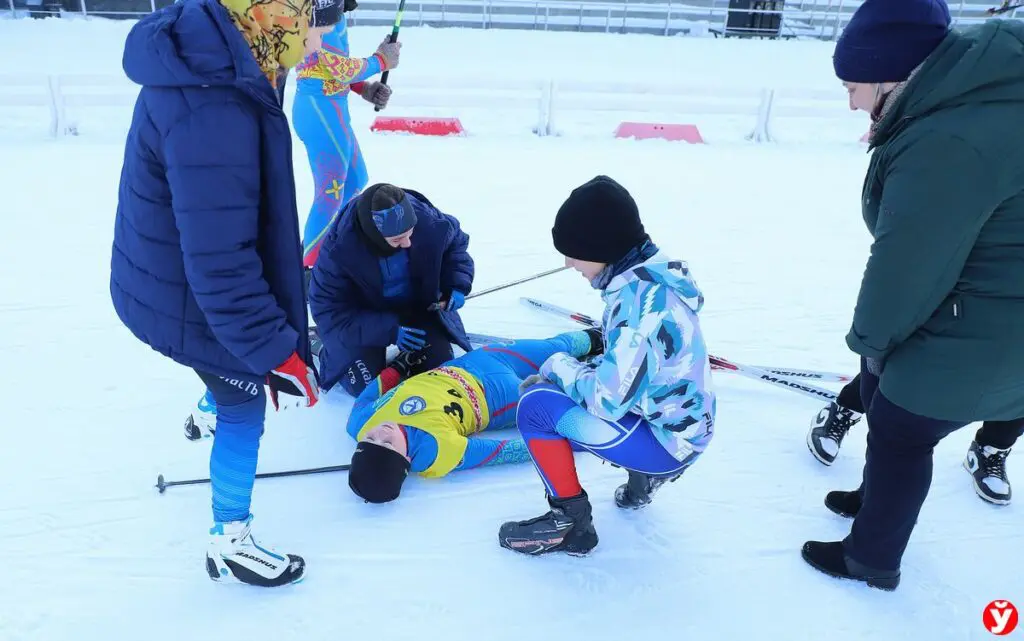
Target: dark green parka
point(941, 303)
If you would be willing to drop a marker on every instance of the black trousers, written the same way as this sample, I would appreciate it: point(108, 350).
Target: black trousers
point(897, 477)
point(998, 434)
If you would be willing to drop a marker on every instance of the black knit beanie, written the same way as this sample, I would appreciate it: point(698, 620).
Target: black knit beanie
point(598, 222)
point(377, 473)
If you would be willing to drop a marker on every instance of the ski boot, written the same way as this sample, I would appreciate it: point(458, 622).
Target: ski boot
point(568, 527)
point(234, 555)
point(202, 422)
point(638, 490)
point(596, 341)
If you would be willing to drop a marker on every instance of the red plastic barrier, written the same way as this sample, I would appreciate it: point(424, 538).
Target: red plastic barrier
point(419, 126)
point(659, 131)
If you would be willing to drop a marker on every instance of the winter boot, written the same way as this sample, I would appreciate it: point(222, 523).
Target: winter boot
point(987, 465)
point(568, 528)
point(234, 554)
point(202, 422)
point(845, 504)
point(831, 559)
point(639, 489)
point(828, 429)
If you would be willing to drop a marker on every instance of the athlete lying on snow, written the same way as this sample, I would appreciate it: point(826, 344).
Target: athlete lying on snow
point(422, 423)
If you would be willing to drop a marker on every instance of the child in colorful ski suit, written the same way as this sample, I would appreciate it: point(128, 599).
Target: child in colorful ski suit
point(423, 423)
point(321, 119)
point(646, 404)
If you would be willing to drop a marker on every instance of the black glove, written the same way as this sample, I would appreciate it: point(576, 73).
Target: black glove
point(406, 361)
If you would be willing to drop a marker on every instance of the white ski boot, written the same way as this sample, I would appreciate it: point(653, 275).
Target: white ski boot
point(233, 555)
point(202, 422)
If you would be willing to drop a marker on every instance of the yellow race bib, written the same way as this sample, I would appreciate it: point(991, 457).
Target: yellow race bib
point(446, 402)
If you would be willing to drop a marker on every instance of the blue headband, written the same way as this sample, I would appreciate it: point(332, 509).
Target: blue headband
point(395, 220)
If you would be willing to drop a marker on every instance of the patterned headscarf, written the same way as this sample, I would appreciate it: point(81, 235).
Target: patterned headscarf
point(275, 30)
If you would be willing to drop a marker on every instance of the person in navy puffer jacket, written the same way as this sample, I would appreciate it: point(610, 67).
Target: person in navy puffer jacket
point(392, 270)
point(206, 265)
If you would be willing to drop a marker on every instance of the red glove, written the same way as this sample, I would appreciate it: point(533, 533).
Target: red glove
point(295, 378)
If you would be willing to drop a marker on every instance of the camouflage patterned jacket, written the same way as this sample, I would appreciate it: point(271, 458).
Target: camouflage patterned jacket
point(655, 362)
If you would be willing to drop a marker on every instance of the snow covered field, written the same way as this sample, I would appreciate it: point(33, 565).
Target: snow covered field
point(773, 234)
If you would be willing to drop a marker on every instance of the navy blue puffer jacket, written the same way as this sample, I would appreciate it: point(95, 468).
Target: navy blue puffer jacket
point(207, 257)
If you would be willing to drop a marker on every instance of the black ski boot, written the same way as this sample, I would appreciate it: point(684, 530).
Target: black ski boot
point(828, 430)
point(596, 341)
point(639, 489)
point(568, 528)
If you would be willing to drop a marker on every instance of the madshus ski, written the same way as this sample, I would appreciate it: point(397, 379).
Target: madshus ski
point(773, 376)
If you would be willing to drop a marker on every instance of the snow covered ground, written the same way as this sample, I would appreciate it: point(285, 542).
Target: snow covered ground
point(774, 236)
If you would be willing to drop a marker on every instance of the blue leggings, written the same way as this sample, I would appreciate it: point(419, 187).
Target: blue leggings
point(241, 410)
point(339, 170)
point(553, 425)
point(501, 367)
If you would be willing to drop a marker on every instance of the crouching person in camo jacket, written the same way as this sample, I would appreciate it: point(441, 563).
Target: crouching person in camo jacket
point(645, 404)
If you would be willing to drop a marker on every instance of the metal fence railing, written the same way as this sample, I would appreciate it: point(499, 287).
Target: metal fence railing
point(821, 19)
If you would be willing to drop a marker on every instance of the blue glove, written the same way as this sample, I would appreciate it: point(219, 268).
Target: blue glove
point(411, 339)
point(455, 301)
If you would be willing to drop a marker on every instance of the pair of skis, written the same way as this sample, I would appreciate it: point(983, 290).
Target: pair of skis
point(779, 377)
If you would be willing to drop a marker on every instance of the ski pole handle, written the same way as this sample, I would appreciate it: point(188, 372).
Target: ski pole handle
point(392, 38)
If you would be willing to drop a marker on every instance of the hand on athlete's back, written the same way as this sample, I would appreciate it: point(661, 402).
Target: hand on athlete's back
point(530, 381)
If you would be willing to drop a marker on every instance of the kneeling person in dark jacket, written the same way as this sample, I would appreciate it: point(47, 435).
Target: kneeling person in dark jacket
point(394, 270)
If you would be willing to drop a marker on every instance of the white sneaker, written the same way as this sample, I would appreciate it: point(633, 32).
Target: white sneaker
point(234, 555)
point(988, 467)
point(202, 422)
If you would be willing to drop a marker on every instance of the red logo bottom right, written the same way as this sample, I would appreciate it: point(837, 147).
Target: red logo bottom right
point(1000, 617)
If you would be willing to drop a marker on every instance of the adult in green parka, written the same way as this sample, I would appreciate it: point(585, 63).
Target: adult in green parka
point(939, 320)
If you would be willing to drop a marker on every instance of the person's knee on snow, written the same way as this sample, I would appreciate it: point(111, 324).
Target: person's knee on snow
point(361, 373)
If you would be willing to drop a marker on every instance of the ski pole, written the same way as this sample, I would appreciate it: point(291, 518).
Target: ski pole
point(716, 362)
point(436, 306)
point(162, 485)
point(394, 38)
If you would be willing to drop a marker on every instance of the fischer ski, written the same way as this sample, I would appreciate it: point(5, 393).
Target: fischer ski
point(770, 376)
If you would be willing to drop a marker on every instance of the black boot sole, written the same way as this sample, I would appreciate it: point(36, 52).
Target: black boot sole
point(885, 584)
